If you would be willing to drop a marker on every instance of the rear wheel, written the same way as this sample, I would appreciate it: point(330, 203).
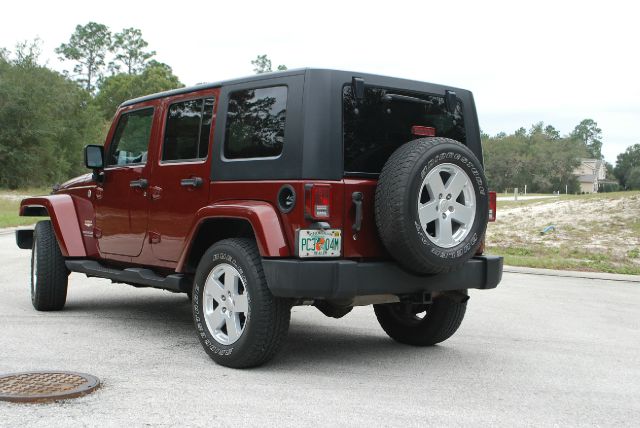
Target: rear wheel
point(421, 325)
point(49, 274)
point(239, 322)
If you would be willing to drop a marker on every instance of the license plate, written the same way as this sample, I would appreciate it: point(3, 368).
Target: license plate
point(319, 243)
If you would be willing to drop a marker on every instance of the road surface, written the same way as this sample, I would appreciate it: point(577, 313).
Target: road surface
point(538, 350)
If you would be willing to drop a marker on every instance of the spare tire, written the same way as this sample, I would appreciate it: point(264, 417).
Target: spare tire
point(432, 205)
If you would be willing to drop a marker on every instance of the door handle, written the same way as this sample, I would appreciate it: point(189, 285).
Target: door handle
point(191, 182)
point(139, 184)
point(357, 198)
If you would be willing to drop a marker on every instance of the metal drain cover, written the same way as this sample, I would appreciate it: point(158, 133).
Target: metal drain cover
point(45, 386)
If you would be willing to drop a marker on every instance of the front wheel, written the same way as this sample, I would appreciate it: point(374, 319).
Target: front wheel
point(239, 322)
point(49, 274)
point(421, 325)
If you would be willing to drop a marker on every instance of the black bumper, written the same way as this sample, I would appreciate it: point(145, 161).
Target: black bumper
point(339, 279)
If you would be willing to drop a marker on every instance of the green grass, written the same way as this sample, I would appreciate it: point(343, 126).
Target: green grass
point(9, 208)
point(564, 258)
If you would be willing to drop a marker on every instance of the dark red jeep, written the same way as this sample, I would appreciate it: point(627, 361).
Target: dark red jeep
point(306, 187)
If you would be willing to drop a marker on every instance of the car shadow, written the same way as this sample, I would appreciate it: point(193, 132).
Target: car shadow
point(168, 317)
point(308, 344)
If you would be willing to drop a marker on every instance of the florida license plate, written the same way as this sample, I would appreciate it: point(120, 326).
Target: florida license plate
point(319, 243)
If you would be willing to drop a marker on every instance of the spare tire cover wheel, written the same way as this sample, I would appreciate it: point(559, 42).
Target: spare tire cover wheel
point(432, 205)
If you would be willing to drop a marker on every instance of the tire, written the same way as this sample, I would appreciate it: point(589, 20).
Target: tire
point(432, 205)
point(402, 323)
point(49, 274)
point(247, 326)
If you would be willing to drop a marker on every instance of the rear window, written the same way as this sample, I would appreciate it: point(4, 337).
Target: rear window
point(186, 135)
point(376, 127)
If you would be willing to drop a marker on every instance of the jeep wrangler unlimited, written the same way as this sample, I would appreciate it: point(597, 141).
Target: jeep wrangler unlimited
point(317, 187)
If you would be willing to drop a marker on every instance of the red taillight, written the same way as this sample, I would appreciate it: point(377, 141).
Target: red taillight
point(423, 131)
point(318, 200)
point(493, 206)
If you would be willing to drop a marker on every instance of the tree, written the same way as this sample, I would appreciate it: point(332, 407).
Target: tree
point(45, 120)
point(588, 132)
point(520, 132)
point(262, 64)
point(625, 163)
point(116, 89)
point(129, 49)
point(609, 169)
point(552, 133)
point(88, 46)
point(633, 179)
point(538, 158)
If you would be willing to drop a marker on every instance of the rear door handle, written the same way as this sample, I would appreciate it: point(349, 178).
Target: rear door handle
point(139, 184)
point(191, 182)
point(357, 198)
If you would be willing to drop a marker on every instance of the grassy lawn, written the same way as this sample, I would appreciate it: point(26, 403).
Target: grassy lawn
point(567, 258)
point(596, 232)
point(10, 204)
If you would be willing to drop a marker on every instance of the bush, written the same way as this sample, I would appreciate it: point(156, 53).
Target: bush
point(48, 120)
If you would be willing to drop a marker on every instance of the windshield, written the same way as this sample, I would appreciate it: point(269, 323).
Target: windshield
point(374, 128)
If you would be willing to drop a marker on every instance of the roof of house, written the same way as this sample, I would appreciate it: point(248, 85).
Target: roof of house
point(597, 162)
point(589, 178)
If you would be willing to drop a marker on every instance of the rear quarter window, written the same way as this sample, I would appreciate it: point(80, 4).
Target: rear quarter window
point(256, 123)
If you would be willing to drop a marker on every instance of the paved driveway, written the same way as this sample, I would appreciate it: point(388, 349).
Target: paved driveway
point(538, 350)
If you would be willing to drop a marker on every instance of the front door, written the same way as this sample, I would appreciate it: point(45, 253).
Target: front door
point(180, 182)
point(121, 199)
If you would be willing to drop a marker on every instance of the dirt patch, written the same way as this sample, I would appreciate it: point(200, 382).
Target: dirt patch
point(596, 228)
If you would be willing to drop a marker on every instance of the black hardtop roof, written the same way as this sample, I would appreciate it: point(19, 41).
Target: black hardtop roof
point(391, 82)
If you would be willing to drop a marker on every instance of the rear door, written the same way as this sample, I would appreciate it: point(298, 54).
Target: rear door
point(121, 199)
point(180, 183)
point(372, 130)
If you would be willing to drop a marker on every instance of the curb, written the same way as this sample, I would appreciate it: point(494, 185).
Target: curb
point(574, 274)
point(11, 230)
point(7, 231)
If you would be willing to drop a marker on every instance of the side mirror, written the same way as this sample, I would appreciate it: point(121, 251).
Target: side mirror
point(94, 156)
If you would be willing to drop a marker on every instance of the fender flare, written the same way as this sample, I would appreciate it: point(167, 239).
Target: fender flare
point(262, 217)
point(64, 218)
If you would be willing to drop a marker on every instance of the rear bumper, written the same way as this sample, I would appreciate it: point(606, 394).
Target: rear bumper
point(338, 279)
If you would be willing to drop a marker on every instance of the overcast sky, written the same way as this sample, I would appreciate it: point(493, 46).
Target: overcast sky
point(552, 61)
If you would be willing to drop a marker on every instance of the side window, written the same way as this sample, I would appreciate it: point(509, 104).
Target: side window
point(131, 139)
point(186, 134)
point(255, 123)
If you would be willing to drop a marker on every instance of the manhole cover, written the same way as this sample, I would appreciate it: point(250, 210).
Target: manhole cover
point(45, 386)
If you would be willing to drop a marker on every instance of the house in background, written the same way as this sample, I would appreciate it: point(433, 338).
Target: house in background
point(590, 173)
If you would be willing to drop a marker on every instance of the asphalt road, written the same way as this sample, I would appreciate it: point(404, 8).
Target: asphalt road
point(538, 350)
